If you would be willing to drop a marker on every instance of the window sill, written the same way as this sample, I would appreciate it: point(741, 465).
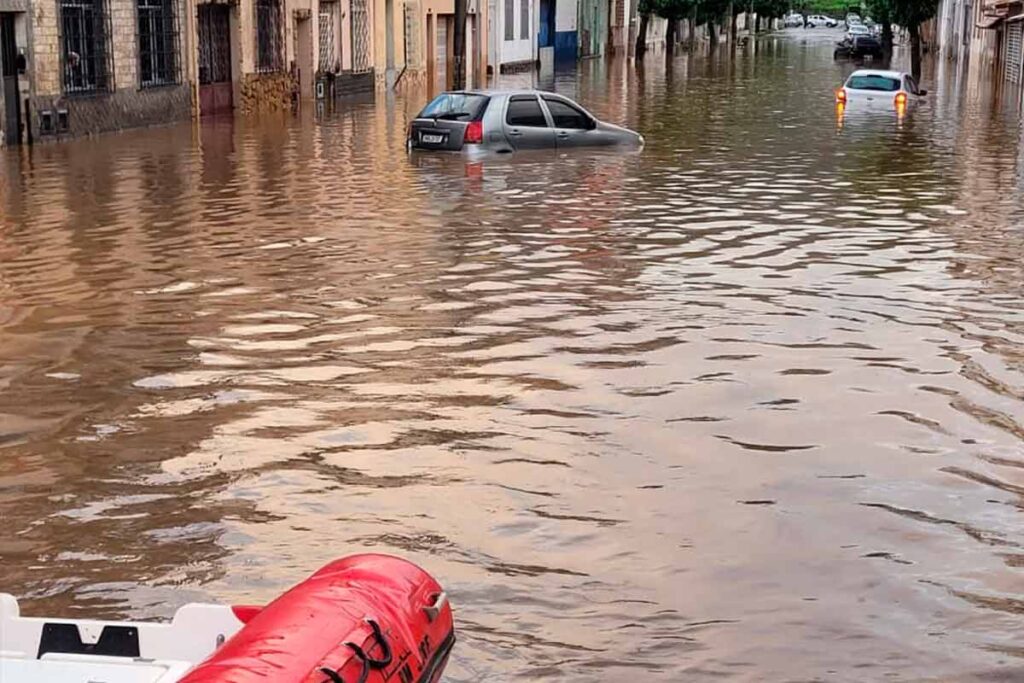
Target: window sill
point(144, 87)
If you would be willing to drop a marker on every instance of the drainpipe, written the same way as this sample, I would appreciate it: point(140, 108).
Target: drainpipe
point(459, 46)
point(191, 61)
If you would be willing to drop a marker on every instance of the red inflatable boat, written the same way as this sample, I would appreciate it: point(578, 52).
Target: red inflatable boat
point(366, 618)
point(362, 619)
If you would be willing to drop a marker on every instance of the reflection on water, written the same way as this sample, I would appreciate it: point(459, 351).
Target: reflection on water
point(749, 403)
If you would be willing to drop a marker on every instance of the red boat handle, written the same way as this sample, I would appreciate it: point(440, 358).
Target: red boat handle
point(440, 600)
point(372, 663)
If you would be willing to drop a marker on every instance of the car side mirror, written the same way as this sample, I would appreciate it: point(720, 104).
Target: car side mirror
point(592, 124)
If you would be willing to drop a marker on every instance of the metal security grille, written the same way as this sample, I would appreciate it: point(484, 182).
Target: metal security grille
point(328, 45)
point(158, 42)
point(1012, 60)
point(510, 19)
point(360, 37)
point(524, 19)
point(85, 55)
point(214, 44)
point(269, 39)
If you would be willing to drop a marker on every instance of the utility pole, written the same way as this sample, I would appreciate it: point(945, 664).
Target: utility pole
point(459, 46)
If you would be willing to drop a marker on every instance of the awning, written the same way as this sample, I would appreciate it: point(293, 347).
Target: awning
point(989, 22)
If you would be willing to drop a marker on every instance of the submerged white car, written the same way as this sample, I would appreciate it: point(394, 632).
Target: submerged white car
point(868, 88)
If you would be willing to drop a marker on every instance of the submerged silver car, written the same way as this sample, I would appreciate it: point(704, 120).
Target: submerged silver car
point(507, 121)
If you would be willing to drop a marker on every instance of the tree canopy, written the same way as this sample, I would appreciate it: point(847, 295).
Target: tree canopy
point(673, 10)
point(771, 9)
point(833, 8)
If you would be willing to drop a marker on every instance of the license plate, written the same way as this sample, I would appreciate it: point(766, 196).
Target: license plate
point(431, 139)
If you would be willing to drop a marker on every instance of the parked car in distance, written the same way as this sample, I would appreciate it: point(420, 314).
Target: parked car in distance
point(852, 19)
point(855, 30)
point(793, 20)
point(819, 20)
point(875, 89)
point(510, 120)
point(858, 46)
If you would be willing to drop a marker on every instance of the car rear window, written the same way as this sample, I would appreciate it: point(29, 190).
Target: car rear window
point(456, 106)
point(873, 82)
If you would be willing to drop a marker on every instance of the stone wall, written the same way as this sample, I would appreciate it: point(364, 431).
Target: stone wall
point(125, 41)
point(44, 65)
point(353, 84)
point(266, 92)
point(100, 113)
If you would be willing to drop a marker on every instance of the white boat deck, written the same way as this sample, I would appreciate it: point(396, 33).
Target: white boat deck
point(64, 668)
point(159, 652)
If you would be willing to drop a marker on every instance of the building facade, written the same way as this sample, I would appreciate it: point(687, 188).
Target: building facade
point(257, 55)
point(985, 35)
point(75, 67)
point(433, 43)
point(513, 34)
point(592, 27)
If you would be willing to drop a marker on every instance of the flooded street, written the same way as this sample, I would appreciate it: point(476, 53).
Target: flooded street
point(746, 404)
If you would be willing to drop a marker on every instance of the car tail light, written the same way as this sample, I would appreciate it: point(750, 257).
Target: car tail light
point(901, 100)
point(474, 133)
point(841, 96)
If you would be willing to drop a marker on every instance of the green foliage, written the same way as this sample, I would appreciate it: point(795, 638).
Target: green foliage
point(711, 10)
point(832, 8)
point(911, 13)
point(880, 10)
point(673, 10)
point(772, 9)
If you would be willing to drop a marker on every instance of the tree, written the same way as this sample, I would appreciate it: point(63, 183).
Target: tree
point(673, 11)
point(711, 12)
point(770, 9)
point(911, 14)
point(645, 9)
point(881, 12)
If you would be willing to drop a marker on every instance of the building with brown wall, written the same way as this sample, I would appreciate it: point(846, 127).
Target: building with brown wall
point(88, 66)
point(75, 67)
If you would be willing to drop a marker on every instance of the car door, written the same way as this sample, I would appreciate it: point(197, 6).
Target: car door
point(573, 126)
point(526, 126)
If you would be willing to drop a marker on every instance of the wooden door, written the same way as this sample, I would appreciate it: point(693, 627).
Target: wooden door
point(9, 70)
point(215, 86)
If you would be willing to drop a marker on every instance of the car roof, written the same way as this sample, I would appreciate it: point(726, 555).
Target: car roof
point(494, 93)
point(875, 72)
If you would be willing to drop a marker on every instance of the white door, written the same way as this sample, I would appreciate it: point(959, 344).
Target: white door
point(517, 32)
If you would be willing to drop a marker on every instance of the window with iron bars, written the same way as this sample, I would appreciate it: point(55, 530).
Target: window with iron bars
point(158, 43)
point(329, 62)
point(269, 41)
point(85, 54)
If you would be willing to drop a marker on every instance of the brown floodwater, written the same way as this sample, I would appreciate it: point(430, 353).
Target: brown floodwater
point(746, 404)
